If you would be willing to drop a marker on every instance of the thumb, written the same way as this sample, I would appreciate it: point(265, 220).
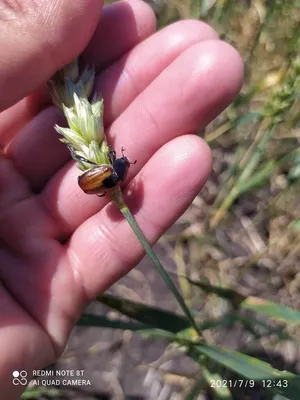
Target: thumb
point(38, 37)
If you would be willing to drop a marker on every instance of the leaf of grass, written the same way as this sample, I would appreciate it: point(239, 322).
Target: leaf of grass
point(271, 309)
point(251, 368)
point(104, 322)
point(36, 393)
point(266, 307)
point(146, 331)
point(226, 293)
point(151, 316)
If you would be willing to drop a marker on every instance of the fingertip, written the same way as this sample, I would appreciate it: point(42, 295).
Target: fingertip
point(233, 66)
point(201, 155)
point(185, 164)
point(196, 28)
point(214, 77)
point(222, 64)
point(192, 158)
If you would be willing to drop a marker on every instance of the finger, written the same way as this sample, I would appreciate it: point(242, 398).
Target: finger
point(49, 35)
point(13, 119)
point(13, 188)
point(36, 150)
point(132, 22)
point(145, 63)
point(122, 25)
point(180, 100)
point(124, 80)
point(104, 248)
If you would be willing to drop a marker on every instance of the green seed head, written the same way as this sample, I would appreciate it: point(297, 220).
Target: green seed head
point(85, 136)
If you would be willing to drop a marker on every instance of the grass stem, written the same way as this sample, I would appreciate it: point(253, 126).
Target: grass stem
point(118, 199)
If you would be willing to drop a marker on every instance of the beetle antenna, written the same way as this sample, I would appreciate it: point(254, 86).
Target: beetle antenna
point(123, 155)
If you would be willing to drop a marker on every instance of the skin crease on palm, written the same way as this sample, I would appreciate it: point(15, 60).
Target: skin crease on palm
point(59, 246)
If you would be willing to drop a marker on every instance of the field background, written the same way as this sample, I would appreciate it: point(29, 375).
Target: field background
point(242, 231)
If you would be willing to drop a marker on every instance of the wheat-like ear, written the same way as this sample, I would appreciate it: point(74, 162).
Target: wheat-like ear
point(71, 91)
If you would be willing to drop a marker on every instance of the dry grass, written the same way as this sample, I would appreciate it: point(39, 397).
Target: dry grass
point(243, 230)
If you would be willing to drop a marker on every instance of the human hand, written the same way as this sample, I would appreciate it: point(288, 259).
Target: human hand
point(59, 246)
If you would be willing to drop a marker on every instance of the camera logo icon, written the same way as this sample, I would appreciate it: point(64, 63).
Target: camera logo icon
point(19, 378)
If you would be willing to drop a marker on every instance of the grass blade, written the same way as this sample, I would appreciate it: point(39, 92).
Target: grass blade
point(104, 322)
point(253, 369)
point(266, 307)
point(272, 310)
point(36, 393)
point(151, 316)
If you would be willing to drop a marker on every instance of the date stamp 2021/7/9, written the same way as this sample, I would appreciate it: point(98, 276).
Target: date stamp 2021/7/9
point(248, 383)
point(232, 383)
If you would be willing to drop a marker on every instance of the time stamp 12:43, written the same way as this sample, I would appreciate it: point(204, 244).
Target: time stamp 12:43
point(248, 383)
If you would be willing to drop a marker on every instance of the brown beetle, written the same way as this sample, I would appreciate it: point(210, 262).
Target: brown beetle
point(99, 178)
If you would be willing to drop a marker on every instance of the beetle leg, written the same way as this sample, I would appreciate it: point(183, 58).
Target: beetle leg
point(76, 157)
point(80, 158)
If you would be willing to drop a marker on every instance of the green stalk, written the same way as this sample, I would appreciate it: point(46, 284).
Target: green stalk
point(117, 197)
point(265, 173)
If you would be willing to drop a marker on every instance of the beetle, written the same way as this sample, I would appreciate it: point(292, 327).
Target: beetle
point(104, 176)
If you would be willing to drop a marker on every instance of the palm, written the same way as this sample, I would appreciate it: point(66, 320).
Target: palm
point(60, 247)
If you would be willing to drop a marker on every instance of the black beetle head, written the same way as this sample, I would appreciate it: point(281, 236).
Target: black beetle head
point(121, 166)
